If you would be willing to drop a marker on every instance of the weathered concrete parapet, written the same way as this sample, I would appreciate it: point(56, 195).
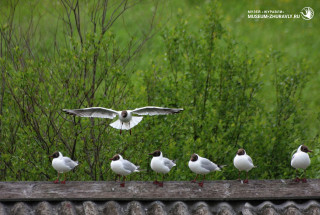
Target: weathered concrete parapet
point(265, 197)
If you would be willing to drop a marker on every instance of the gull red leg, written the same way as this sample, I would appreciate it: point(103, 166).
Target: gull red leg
point(123, 183)
point(297, 179)
point(156, 182)
point(121, 128)
point(161, 183)
point(239, 176)
point(195, 180)
point(304, 180)
point(56, 181)
point(65, 177)
point(246, 181)
point(201, 183)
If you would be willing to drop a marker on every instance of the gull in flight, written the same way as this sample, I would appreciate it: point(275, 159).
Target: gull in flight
point(301, 160)
point(126, 119)
point(62, 165)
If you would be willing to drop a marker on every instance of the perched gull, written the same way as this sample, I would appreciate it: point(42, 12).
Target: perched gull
point(203, 166)
point(301, 160)
point(243, 162)
point(126, 121)
point(122, 167)
point(160, 164)
point(62, 165)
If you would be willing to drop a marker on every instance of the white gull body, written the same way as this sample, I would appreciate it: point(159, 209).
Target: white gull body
point(123, 167)
point(161, 164)
point(243, 162)
point(63, 164)
point(203, 166)
point(300, 160)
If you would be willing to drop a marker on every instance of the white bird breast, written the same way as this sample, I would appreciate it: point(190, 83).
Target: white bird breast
point(126, 119)
point(242, 163)
point(117, 167)
point(300, 160)
point(60, 166)
point(157, 165)
point(196, 167)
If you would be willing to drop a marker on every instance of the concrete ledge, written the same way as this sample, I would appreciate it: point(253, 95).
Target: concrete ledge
point(172, 191)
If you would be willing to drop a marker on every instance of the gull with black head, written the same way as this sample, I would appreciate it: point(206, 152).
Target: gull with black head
point(243, 162)
point(122, 167)
point(301, 160)
point(62, 165)
point(202, 166)
point(126, 119)
point(160, 164)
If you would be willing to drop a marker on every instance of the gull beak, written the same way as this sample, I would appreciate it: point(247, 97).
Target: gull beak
point(309, 150)
point(50, 156)
point(150, 154)
point(111, 159)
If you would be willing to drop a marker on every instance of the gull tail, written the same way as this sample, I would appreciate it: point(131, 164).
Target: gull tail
point(221, 167)
point(174, 162)
point(126, 125)
point(137, 170)
point(116, 124)
point(135, 121)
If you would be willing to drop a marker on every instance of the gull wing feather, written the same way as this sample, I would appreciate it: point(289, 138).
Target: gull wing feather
point(127, 165)
point(250, 160)
point(209, 165)
point(168, 163)
point(150, 110)
point(98, 112)
point(70, 163)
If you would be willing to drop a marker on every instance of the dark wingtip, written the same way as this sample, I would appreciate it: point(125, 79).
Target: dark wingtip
point(67, 111)
point(222, 166)
point(177, 110)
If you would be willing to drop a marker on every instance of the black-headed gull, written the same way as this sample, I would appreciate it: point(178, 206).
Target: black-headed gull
point(122, 167)
point(126, 121)
point(62, 165)
point(301, 160)
point(202, 166)
point(160, 164)
point(243, 162)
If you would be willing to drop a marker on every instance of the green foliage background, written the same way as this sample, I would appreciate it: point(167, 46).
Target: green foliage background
point(242, 83)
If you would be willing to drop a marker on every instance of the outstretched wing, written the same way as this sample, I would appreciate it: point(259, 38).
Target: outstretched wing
point(150, 110)
point(98, 112)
